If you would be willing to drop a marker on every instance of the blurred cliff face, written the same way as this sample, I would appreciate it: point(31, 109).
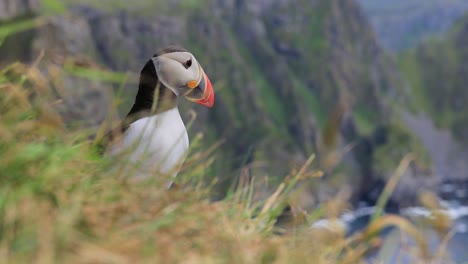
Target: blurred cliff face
point(403, 24)
point(10, 9)
point(17, 47)
point(292, 77)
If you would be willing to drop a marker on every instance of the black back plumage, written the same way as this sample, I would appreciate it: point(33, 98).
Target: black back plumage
point(144, 100)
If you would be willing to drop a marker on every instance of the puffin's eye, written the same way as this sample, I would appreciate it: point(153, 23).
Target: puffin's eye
point(187, 64)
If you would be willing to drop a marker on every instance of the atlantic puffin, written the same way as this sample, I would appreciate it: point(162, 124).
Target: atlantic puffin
point(153, 139)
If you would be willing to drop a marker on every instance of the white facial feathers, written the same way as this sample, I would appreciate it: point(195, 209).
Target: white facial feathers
point(176, 69)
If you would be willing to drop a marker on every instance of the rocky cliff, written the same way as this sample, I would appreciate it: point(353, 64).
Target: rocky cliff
point(10, 9)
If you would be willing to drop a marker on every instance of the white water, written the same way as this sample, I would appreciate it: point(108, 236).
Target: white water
point(392, 249)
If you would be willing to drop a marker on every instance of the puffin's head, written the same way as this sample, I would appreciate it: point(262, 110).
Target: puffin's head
point(180, 71)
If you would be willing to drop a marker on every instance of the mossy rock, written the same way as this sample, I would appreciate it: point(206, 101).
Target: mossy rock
point(399, 142)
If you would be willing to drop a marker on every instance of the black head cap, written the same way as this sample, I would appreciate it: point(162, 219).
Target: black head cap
point(148, 83)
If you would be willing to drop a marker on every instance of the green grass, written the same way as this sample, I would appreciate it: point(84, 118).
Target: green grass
point(411, 70)
point(142, 7)
point(313, 102)
point(9, 28)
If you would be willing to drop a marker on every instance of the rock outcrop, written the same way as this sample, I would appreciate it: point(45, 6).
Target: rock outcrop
point(13, 8)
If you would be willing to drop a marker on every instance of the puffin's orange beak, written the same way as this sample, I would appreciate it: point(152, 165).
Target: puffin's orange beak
point(208, 94)
point(207, 98)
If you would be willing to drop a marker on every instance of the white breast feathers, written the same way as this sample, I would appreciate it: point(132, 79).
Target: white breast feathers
point(154, 145)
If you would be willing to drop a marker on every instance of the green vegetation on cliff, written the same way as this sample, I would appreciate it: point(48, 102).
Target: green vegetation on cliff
point(437, 74)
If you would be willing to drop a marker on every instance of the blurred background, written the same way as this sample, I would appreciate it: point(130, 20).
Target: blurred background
point(358, 83)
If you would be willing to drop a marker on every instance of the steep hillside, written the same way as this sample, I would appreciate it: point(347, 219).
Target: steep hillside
point(403, 24)
point(437, 71)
